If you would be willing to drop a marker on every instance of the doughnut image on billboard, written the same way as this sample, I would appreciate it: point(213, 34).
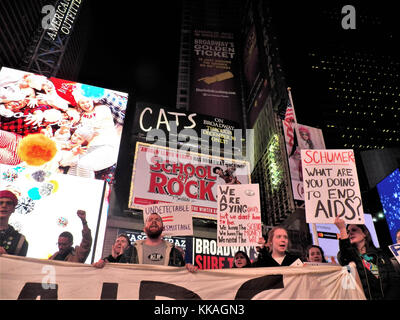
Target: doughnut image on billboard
point(76, 127)
point(165, 175)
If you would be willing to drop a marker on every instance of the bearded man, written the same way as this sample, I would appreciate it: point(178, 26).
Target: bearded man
point(154, 250)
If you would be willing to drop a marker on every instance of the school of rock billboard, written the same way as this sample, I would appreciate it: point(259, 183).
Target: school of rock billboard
point(214, 75)
point(162, 174)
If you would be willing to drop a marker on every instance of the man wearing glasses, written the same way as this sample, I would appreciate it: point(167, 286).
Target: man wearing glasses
point(11, 241)
point(66, 252)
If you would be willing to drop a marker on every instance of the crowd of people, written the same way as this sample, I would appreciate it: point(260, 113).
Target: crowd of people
point(378, 271)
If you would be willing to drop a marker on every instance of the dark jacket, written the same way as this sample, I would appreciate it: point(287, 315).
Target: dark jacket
point(81, 252)
point(265, 259)
point(13, 242)
point(387, 286)
point(133, 254)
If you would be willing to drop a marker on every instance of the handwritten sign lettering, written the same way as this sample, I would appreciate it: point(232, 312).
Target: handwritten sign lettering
point(331, 186)
point(239, 215)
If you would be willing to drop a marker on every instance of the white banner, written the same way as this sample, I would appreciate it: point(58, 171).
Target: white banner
point(331, 186)
point(239, 215)
point(27, 278)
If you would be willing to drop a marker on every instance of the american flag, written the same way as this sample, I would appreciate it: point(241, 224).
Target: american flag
point(288, 123)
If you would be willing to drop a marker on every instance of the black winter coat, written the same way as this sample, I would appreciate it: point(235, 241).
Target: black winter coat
point(265, 259)
point(387, 286)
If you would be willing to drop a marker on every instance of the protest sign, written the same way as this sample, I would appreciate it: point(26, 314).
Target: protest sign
point(331, 186)
point(177, 217)
point(239, 215)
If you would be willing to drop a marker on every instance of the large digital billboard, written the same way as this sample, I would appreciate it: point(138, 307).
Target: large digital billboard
point(59, 145)
point(47, 206)
point(84, 121)
point(389, 193)
point(163, 174)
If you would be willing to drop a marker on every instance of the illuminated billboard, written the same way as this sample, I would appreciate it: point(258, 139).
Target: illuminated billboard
point(163, 174)
point(84, 121)
point(310, 138)
point(169, 125)
point(214, 85)
point(389, 193)
point(208, 255)
point(47, 206)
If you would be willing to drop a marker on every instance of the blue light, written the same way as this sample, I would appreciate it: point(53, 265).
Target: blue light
point(389, 193)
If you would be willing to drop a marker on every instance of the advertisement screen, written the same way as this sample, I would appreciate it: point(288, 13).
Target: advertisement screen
point(169, 175)
point(208, 255)
point(310, 138)
point(161, 125)
point(389, 193)
point(83, 121)
point(214, 75)
point(48, 204)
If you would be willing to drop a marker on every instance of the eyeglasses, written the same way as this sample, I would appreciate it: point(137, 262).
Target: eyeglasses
point(7, 203)
point(62, 244)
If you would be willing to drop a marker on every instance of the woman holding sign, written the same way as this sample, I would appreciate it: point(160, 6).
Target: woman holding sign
point(274, 253)
point(377, 274)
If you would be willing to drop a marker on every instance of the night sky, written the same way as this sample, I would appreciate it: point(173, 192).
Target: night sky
point(135, 48)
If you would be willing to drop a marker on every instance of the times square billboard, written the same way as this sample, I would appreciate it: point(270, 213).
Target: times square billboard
point(80, 126)
point(183, 156)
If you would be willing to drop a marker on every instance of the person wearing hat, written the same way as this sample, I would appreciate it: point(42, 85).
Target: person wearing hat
point(11, 241)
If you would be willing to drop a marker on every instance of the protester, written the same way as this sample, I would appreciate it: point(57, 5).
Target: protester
point(154, 250)
point(315, 253)
point(241, 260)
point(65, 241)
point(275, 253)
point(11, 241)
point(377, 274)
point(121, 243)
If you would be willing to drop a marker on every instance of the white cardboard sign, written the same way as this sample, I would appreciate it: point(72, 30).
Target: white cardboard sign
point(331, 186)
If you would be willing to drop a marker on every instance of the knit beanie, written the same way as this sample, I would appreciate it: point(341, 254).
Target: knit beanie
point(9, 195)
